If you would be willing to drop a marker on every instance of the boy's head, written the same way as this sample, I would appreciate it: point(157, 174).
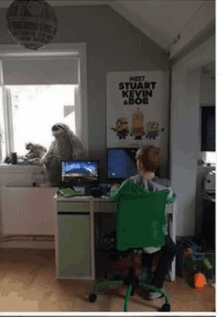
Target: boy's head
point(148, 159)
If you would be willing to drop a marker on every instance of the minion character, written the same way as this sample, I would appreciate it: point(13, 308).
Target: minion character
point(121, 128)
point(153, 130)
point(137, 125)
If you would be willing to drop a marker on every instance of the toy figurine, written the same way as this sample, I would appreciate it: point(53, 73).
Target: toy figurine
point(196, 264)
point(35, 153)
point(121, 128)
point(137, 125)
point(153, 130)
point(66, 146)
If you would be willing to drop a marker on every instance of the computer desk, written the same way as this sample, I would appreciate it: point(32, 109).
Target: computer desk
point(74, 234)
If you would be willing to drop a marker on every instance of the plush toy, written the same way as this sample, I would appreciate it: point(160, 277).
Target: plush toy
point(66, 146)
point(8, 160)
point(35, 154)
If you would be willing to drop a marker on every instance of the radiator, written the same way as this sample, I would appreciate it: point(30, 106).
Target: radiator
point(28, 210)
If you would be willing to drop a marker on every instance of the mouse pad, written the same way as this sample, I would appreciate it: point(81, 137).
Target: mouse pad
point(68, 191)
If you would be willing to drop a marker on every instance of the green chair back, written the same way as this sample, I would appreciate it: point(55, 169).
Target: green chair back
point(141, 220)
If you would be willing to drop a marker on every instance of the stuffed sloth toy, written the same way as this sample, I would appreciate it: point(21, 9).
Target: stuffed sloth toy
point(35, 154)
point(66, 146)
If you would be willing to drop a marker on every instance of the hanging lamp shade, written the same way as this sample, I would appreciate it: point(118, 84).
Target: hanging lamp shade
point(31, 23)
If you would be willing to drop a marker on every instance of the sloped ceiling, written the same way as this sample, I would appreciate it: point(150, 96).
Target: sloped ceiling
point(161, 20)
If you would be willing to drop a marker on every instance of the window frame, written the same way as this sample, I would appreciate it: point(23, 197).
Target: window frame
point(81, 98)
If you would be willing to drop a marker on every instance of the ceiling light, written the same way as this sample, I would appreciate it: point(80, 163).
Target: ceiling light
point(31, 23)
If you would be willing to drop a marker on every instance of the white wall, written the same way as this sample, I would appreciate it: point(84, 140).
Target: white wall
point(207, 90)
point(184, 151)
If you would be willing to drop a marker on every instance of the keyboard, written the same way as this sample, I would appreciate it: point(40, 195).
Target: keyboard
point(77, 191)
point(80, 190)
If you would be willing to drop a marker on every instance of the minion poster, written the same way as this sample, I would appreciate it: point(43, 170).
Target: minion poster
point(137, 108)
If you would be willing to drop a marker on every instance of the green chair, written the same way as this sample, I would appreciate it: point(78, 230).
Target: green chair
point(141, 222)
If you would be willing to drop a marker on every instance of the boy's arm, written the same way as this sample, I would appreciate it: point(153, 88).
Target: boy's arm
point(116, 192)
point(167, 184)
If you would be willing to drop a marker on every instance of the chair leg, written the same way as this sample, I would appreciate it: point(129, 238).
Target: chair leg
point(152, 288)
point(99, 286)
point(127, 298)
point(166, 306)
point(102, 285)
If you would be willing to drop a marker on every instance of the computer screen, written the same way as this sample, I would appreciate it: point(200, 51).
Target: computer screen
point(79, 173)
point(121, 163)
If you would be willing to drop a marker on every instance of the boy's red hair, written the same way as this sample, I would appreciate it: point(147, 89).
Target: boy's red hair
point(150, 157)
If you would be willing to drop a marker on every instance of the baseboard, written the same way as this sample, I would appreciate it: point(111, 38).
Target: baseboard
point(27, 242)
point(27, 245)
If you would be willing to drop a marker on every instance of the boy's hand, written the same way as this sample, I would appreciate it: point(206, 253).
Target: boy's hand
point(115, 187)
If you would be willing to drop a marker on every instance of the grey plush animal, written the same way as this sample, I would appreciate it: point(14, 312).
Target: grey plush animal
point(35, 154)
point(66, 146)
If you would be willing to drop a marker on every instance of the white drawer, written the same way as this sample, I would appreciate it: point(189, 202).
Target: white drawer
point(73, 206)
point(105, 206)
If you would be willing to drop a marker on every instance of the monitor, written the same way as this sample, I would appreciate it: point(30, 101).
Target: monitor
point(121, 164)
point(79, 173)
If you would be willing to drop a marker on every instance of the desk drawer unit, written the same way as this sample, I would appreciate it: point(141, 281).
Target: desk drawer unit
point(74, 245)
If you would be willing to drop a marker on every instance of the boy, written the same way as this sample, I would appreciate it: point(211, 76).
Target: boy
point(148, 161)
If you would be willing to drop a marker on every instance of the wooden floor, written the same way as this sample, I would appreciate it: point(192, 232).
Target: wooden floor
point(28, 283)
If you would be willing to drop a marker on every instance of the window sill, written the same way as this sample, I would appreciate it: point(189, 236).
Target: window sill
point(208, 167)
point(9, 168)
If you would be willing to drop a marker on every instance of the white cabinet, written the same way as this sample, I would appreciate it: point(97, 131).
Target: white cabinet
point(74, 245)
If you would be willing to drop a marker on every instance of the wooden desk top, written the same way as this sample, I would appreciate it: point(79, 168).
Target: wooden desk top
point(105, 199)
point(83, 198)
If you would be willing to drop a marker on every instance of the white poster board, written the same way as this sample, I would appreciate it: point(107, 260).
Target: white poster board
point(137, 109)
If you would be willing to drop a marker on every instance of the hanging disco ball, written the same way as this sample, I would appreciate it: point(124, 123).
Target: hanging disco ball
point(31, 23)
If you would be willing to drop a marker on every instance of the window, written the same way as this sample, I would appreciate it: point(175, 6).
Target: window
point(35, 109)
point(39, 91)
point(208, 129)
point(208, 153)
point(209, 157)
